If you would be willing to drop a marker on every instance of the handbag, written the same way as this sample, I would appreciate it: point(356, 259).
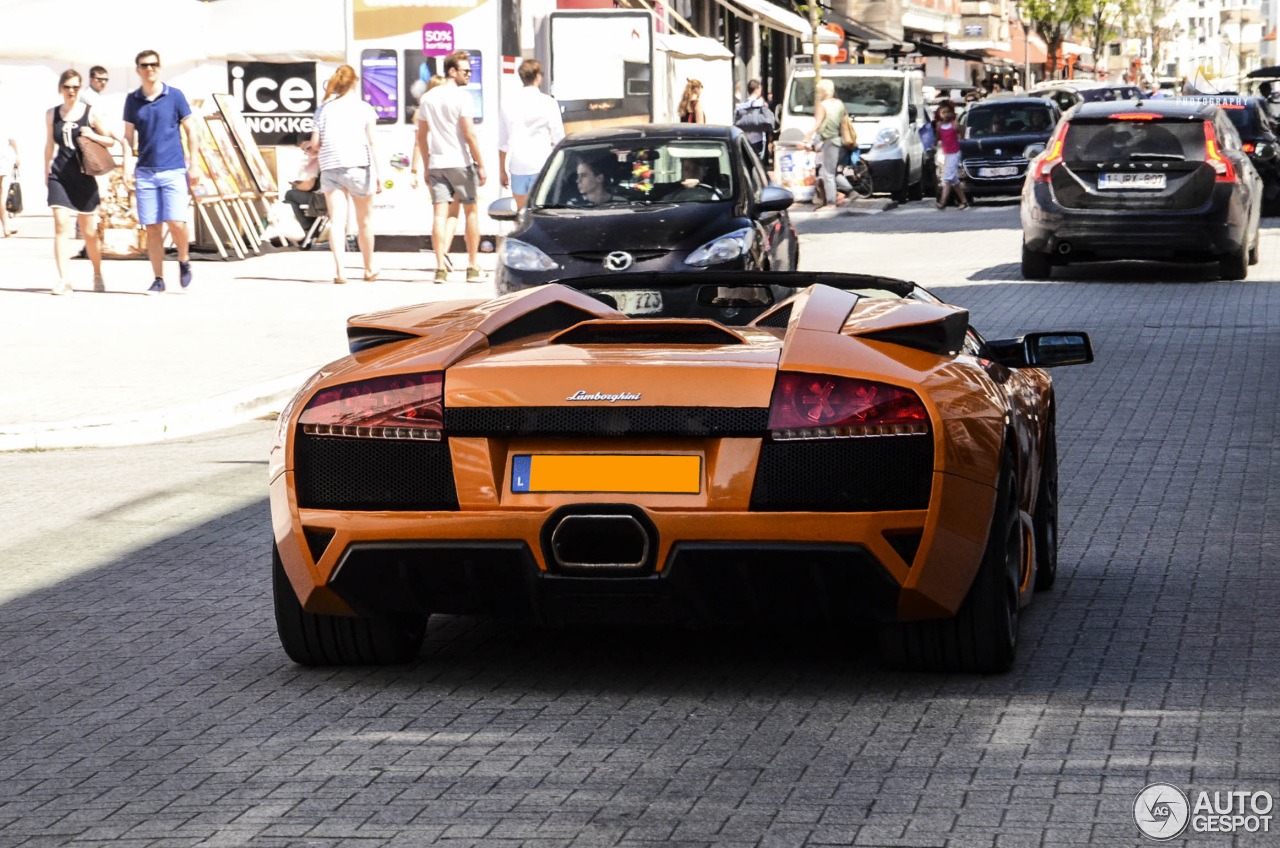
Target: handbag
point(756, 117)
point(927, 136)
point(13, 200)
point(848, 135)
point(95, 159)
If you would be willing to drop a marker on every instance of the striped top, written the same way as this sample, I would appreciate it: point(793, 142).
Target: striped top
point(341, 124)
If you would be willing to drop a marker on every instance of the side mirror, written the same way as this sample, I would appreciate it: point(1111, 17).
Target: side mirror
point(913, 113)
point(504, 209)
point(1043, 350)
point(1265, 151)
point(772, 199)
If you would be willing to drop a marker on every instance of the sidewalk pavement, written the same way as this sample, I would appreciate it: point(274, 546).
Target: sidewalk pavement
point(89, 370)
point(124, 368)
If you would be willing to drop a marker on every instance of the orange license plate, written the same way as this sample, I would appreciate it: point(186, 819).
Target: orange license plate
point(674, 475)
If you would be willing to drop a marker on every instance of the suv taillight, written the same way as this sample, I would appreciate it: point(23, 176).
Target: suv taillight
point(1052, 155)
point(403, 406)
point(819, 406)
point(1222, 167)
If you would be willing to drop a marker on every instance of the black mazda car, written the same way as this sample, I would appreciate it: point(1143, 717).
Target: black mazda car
point(1150, 179)
point(998, 140)
point(1249, 114)
point(658, 197)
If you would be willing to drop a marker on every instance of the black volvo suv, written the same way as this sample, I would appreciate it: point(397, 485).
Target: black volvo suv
point(1154, 179)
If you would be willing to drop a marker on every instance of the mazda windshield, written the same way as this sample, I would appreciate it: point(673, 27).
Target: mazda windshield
point(591, 176)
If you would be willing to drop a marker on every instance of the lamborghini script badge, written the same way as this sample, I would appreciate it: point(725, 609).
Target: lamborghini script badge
point(581, 395)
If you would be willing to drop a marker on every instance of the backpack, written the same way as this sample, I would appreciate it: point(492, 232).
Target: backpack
point(754, 116)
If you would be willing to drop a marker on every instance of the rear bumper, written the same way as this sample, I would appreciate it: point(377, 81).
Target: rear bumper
point(703, 566)
point(1214, 230)
point(703, 584)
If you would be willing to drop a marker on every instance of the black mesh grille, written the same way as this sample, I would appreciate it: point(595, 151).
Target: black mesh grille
point(605, 421)
point(366, 474)
point(844, 475)
point(777, 319)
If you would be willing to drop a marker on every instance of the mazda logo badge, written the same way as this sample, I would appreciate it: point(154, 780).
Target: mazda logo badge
point(619, 260)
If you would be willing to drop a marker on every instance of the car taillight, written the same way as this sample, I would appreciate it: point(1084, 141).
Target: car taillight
point(1052, 154)
point(1226, 172)
point(819, 406)
point(403, 406)
point(1248, 148)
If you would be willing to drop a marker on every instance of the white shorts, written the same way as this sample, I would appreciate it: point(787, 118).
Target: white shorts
point(951, 168)
point(357, 181)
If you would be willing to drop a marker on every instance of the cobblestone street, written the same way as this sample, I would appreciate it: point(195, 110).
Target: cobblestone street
point(145, 700)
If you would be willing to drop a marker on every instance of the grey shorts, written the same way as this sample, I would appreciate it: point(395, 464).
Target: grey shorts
point(357, 181)
point(449, 184)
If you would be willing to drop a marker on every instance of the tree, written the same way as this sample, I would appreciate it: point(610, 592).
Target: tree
point(1054, 20)
point(1102, 22)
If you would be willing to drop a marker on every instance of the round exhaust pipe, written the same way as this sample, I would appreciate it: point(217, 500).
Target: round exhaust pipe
point(593, 542)
point(1064, 247)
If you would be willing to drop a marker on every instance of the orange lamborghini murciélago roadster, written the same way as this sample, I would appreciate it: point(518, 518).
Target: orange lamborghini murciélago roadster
point(690, 448)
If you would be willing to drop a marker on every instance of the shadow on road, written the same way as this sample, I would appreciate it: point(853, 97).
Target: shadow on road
point(1115, 272)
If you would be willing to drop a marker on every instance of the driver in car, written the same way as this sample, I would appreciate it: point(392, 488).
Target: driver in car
point(697, 179)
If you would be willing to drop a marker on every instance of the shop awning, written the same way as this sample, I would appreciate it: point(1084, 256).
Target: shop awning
point(928, 48)
point(769, 15)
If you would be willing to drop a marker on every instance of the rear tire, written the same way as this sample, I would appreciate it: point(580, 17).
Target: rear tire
point(1234, 266)
point(1035, 266)
point(983, 635)
point(1045, 521)
point(312, 639)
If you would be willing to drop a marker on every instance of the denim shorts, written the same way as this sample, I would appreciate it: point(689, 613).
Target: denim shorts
point(357, 181)
point(522, 183)
point(162, 195)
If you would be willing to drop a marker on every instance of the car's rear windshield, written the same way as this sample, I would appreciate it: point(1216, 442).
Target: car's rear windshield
point(1242, 117)
point(1008, 119)
point(871, 97)
point(1120, 141)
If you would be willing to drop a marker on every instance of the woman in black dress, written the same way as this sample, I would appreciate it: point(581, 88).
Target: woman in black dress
point(71, 191)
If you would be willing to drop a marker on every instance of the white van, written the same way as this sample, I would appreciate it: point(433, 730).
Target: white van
point(887, 107)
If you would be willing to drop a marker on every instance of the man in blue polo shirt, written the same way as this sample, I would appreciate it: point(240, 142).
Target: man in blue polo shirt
point(153, 113)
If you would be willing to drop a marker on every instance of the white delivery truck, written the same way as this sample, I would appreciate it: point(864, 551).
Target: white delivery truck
point(886, 104)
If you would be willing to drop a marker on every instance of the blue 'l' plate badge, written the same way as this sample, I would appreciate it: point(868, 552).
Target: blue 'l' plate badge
point(520, 473)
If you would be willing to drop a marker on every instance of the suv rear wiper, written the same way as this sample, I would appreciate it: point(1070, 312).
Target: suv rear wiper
point(1170, 157)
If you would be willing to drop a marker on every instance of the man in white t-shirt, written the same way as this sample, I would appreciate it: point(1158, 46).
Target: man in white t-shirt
point(451, 158)
point(531, 128)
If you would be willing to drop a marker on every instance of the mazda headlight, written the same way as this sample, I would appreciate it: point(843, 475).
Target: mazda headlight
point(724, 249)
point(525, 257)
point(887, 137)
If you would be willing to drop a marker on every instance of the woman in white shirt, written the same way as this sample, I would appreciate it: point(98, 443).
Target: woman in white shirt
point(533, 121)
point(348, 166)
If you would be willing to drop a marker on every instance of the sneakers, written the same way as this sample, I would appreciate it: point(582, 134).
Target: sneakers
point(99, 285)
point(62, 287)
point(475, 275)
point(157, 287)
point(442, 276)
point(184, 274)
